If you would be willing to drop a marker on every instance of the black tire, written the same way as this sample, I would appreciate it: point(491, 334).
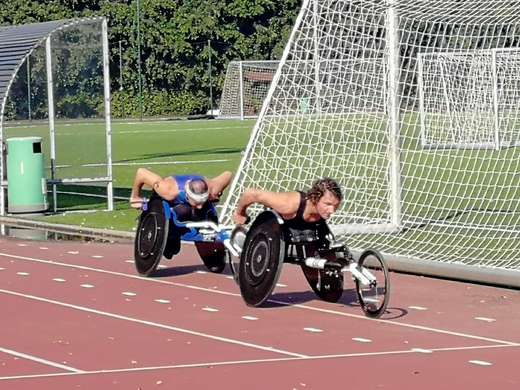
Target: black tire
point(213, 255)
point(326, 283)
point(261, 259)
point(150, 238)
point(373, 298)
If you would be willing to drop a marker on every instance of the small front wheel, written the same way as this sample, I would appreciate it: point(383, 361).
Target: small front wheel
point(374, 292)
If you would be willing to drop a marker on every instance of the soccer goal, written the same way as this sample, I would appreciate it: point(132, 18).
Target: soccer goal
point(245, 88)
point(469, 99)
point(361, 88)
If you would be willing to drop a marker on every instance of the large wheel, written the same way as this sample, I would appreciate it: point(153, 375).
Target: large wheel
point(213, 255)
point(261, 259)
point(150, 238)
point(374, 297)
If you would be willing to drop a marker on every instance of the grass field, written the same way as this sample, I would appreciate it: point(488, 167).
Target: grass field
point(205, 147)
point(453, 200)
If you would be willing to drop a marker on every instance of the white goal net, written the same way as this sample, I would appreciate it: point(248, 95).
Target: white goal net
point(469, 99)
point(362, 88)
point(245, 88)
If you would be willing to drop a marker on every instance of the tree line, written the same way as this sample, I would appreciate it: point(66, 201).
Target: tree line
point(177, 40)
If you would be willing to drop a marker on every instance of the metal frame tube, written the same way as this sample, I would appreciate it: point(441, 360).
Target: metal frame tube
point(241, 89)
point(392, 42)
point(108, 122)
point(52, 129)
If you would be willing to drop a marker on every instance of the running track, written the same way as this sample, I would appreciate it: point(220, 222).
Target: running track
point(76, 316)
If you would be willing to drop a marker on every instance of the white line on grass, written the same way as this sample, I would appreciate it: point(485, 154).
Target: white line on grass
point(187, 129)
point(143, 163)
point(255, 361)
point(40, 360)
point(153, 324)
point(301, 306)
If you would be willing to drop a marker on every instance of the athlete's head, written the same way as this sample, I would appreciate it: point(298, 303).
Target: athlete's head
point(196, 192)
point(326, 195)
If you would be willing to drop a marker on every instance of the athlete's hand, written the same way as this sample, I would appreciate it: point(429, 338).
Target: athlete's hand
point(240, 219)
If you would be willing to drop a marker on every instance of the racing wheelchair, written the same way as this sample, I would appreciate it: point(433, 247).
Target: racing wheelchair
point(256, 255)
point(159, 232)
point(269, 243)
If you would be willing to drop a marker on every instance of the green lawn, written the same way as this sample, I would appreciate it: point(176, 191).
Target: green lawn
point(206, 147)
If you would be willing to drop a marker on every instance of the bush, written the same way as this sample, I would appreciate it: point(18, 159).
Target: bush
point(161, 103)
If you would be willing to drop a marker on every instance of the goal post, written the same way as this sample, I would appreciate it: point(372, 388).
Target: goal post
point(465, 98)
point(362, 88)
point(245, 88)
point(314, 98)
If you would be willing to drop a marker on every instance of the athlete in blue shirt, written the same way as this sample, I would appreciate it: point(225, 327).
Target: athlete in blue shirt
point(192, 190)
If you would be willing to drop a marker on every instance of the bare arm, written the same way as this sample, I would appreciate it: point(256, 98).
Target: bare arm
point(285, 203)
point(218, 184)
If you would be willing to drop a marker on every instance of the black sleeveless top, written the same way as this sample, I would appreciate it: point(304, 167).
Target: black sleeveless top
point(302, 230)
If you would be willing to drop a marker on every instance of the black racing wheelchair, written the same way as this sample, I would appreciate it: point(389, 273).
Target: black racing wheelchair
point(256, 255)
point(269, 243)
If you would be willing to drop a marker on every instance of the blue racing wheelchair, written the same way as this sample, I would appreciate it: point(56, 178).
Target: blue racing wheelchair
point(160, 232)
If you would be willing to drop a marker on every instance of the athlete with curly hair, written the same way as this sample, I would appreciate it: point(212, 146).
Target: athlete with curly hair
point(300, 210)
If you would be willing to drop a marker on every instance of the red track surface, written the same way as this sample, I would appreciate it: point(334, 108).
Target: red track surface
point(77, 316)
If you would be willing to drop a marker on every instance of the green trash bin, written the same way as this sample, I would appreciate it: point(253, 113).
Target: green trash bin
point(26, 185)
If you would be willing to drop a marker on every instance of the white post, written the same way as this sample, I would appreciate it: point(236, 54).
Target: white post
point(495, 98)
point(451, 120)
point(392, 42)
point(315, 37)
point(108, 123)
point(422, 113)
point(2, 167)
point(52, 130)
point(241, 89)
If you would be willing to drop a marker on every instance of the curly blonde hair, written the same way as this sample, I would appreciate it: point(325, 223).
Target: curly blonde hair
point(320, 186)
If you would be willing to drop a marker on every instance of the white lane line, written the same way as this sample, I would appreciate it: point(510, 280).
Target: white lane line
point(422, 350)
point(21, 244)
point(210, 309)
point(154, 324)
point(250, 318)
point(58, 280)
point(480, 363)
point(485, 319)
point(129, 293)
point(161, 301)
point(72, 252)
point(23, 273)
point(361, 340)
point(405, 325)
point(301, 306)
point(256, 361)
point(97, 256)
point(313, 330)
point(281, 285)
point(43, 248)
point(40, 360)
point(2, 269)
point(420, 308)
point(87, 285)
